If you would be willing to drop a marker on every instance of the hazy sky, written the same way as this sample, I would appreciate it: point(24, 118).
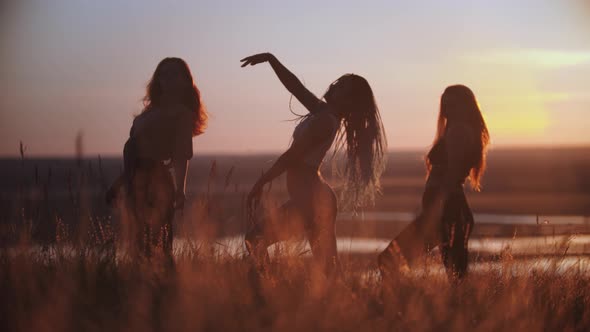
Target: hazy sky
point(81, 66)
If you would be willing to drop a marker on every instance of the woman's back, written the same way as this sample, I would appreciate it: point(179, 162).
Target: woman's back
point(460, 144)
point(163, 133)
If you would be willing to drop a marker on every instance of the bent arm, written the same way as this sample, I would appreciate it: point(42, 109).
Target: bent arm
point(183, 150)
point(279, 167)
point(180, 170)
point(459, 143)
point(316, 134)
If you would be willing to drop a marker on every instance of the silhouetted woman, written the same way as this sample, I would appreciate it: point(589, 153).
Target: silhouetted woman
point(348, 115)
point(160, 141)
point(446, 221)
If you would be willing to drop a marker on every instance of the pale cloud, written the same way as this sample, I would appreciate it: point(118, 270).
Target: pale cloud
point(531, 57)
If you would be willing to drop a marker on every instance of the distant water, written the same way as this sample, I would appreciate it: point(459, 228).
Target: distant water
point(532, 245)
point(560, 245)
point(520, 267)
point(552, 254)
point(480, 218)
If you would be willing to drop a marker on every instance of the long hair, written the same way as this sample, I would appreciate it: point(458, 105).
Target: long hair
point(190, 95)
point(364, 137)
point(469, 111)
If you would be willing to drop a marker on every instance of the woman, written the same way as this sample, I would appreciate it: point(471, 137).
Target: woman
point(348, 115)
point(160, 140)
point(458, 152)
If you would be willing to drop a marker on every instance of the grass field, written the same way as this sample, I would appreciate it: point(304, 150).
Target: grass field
point(63, 265)
point(93, 290)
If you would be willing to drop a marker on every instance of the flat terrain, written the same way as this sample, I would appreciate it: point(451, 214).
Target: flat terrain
point(64, 267)
point(540, 181)
point(532, 181)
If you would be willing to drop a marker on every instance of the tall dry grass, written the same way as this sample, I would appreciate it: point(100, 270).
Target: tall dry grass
point(81, 279)
point(85, 289)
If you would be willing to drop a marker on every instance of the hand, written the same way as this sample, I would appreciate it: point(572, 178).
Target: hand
point(254, 197)
point(179, 200)
point(256, 59)
point(110, 195)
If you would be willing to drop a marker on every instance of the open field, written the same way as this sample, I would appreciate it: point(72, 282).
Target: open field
point(92, 290)
point(533, 181)
point(63, 266)
point(545, 182)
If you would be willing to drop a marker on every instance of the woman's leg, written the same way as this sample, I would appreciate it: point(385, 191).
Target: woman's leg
point(315, 211)
point(391, 260)
point(321, 230)
point(271, 229)
point(164, 210)
point(457, 227)
point(420, 236)
point(139, 213)
point(154, 206)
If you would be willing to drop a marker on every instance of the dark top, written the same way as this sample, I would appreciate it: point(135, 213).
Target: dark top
point(163, 134)
point(454, 155)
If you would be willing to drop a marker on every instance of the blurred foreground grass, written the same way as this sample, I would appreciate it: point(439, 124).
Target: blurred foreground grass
point(64, 269)
point(90, 288)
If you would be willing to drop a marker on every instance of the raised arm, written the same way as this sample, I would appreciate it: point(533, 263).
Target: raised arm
point(289, 80)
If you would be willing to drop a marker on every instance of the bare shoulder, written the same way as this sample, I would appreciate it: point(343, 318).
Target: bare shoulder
point(141, 119)
point(141, 115)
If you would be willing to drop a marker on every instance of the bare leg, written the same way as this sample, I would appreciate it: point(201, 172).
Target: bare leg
point(315, 211)
point(264, 233)
point(257, 243)
point(415, 240)
point(419, 237)
point(458, 223)
point(322, 234)
point(270, 230)
point(401, 252)
point(153, 201)
point(167, 235)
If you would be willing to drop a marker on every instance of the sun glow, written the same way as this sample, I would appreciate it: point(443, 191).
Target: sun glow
point(525, 123)
point(510, 89)
point(517, 113)
point(520, 112)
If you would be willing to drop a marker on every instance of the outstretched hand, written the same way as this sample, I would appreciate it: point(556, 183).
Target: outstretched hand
point(256, 59)
point(253, 199)
point(179, 200)
point(111, 195)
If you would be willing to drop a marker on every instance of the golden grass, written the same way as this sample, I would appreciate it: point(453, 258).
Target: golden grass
point(81, 280)
point(89, 288)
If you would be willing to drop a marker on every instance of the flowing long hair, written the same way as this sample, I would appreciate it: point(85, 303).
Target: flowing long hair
point(466, 108)
point(363, 136)
point(190, 95)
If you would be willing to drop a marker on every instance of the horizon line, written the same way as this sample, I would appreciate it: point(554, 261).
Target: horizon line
point(276, 152)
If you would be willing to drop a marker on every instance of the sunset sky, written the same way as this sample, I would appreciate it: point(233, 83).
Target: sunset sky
point(81, 66)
